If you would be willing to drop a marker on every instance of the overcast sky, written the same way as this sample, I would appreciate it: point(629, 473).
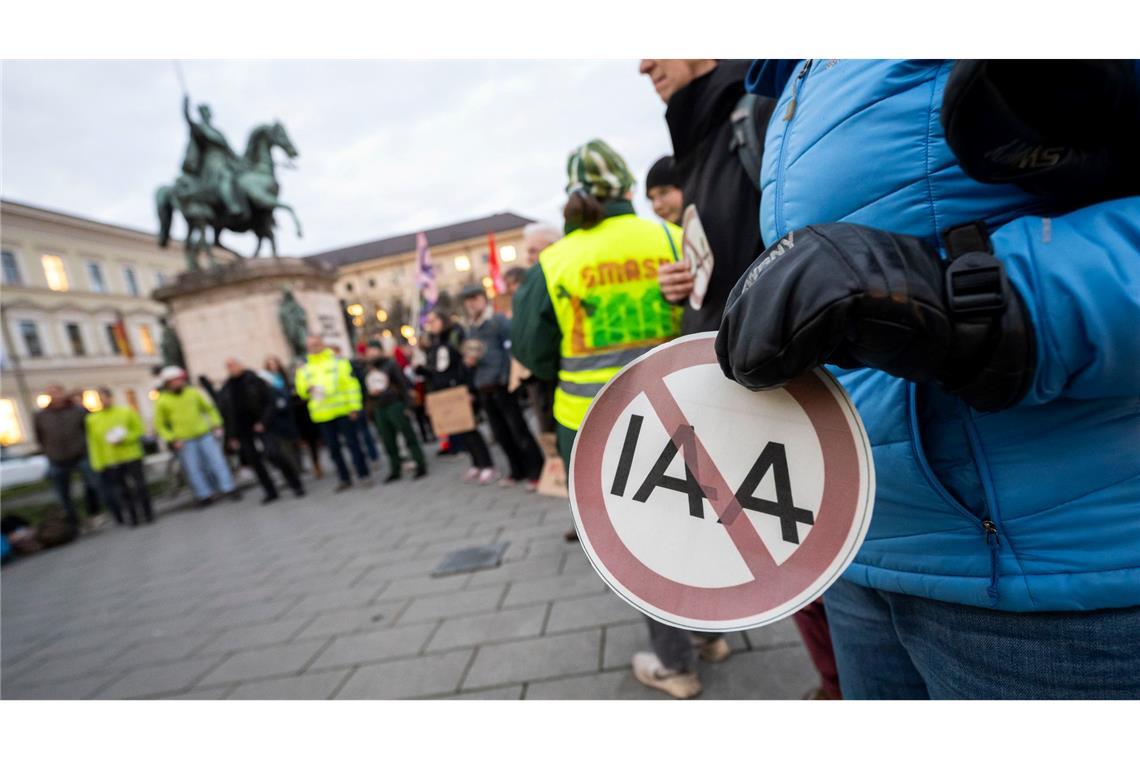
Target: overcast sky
point(385, 147)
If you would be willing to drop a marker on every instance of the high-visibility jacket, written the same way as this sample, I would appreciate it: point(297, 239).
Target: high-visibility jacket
point(118, 422)
point(329, 386)
point(185, 415)
point(602, 283)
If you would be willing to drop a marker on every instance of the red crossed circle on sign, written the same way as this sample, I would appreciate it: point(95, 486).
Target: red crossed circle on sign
point(772, 585)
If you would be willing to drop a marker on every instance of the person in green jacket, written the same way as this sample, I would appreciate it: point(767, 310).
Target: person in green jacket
point(114, 448)
point(190, 423)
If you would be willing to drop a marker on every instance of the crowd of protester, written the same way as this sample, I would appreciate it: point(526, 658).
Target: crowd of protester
point(979, 313)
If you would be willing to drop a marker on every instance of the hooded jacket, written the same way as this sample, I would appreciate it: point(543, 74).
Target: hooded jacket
point(1056, 477)
point(713, 178)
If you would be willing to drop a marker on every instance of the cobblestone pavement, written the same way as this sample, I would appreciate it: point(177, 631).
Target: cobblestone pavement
point(331, 596)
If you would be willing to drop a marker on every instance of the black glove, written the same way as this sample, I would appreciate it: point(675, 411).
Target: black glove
point(1065, 130)
point(859, 297)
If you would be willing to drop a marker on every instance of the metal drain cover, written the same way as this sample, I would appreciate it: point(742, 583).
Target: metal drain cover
point(471, 558)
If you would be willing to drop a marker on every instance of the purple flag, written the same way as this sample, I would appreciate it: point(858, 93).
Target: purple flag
point(425, 277)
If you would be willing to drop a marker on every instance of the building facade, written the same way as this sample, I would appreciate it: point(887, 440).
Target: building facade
point(77, 311)
point(377, 280)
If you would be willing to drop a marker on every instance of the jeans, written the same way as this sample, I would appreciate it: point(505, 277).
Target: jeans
point(674, 646)
point(205, 466)
point(60, 475)
point(127, 492)
point(894, 646)
point(512, 433)
point(360, 424)
point(332, 431)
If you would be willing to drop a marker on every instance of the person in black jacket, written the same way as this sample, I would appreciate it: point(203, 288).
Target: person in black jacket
point(444, 368)
point(387, 399)
point(663, 189)
point(249, 412)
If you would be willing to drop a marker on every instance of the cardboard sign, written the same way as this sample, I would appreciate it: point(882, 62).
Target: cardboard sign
point(450, 411)
point(697, 254)
point(553, 479)
point(714, 508)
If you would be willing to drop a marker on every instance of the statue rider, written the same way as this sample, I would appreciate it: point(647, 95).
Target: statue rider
point(210, 159)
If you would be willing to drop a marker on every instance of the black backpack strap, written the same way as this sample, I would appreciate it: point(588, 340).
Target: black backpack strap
point(749, 121)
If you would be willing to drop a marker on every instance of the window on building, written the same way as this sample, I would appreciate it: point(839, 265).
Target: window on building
point(12, 274)
point(372, 282)
point(132, 399)
point(55, 273)
point(132, 280)
point(75, 339)
point(348, 287)
point(159, 279)
point(11, 431)
point(113, 341)
point(462, 264)
point(147, 340)
point(31, 335)
point(95, 275)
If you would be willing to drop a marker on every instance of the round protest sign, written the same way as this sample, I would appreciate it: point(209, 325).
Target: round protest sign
point(714, 508)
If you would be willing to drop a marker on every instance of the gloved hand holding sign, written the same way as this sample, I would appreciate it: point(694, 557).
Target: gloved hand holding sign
point(859, 297)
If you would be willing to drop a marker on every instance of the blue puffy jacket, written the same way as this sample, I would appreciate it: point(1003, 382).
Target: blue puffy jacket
point(1033, 508)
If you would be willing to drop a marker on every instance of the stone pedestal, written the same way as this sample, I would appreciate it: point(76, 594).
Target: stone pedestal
point(232, 311)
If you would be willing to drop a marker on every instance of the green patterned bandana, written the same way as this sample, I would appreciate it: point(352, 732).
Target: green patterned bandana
point(596, 168)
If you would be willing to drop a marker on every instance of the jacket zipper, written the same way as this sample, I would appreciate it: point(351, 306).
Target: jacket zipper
point(788, 113)
point(988, 526)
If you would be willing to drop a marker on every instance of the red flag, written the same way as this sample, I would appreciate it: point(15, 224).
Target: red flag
point(119, 330)
point(496, 273)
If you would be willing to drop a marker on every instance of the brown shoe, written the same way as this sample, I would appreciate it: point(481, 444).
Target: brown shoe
point(712, 649)
point(648, 670)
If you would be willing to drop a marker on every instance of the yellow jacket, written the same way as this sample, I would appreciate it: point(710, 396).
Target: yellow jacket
point(124, 426)
point(329, 386)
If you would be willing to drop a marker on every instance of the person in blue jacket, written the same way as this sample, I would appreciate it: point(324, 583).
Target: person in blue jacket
point(960, 243)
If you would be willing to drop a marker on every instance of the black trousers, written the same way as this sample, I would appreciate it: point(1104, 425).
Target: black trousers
point(127, 493)
point(512, 433)
point(473, 443)
point(247, 446)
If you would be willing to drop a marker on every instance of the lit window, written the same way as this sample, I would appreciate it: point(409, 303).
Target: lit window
point(132, 280)
point(507, 253)
point(356, 310)
point(95, 275)
point(31, 336)
point(91, 400)
point(10, 429)
point(113, 340)
point(462, 264)
point(55, 273)
point(381, 315)
point(12, 274)
point(132, 399)
point(147, 340)
point(75, 339)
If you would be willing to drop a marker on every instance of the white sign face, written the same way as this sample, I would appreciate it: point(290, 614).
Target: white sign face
point(698, 255)
point(714, 508)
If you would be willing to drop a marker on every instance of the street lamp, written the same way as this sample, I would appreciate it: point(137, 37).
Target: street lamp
point(408, 332)
point(381, 315)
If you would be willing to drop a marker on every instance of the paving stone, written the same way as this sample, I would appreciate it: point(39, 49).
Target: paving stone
point(267, 661)
point(482, 629)
point(532, 659)
point(159, 679)
point(63, 668)
point(522, 570)
point(212, 693)
point(405, 588)
point(558, 587)
point(589, 612)
point(618, 684)
point(785, 673)
point(307, 686)
point(370, 647)
point(161, 649)
point(252, 613)
point(436, 675)
point(504, 693)
point(352, 620)
point(779, 634)
point(333, 600)
point(452, 605)
point(255, 635)
point(75, 688)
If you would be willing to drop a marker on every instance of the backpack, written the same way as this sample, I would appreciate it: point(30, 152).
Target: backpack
point(56, 530)
point(749, 121)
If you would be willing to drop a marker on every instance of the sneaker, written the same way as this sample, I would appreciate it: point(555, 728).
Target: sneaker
point(712, 649)
point(507, 482)
point(342, 486)
point(420, 473)
point(270, 499)
point(471, 475)
point(649, 670)
point(486, 475)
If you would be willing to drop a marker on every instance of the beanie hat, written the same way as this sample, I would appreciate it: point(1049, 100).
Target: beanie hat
point(596, 169)
point(662, 174)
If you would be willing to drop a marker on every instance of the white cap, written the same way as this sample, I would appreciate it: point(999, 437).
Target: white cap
point(171, 373)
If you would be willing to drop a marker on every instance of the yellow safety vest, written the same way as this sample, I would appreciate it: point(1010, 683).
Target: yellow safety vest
point(603, 284)
point(329, 386)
